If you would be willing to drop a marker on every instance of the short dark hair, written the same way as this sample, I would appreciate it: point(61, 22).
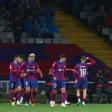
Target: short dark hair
point(63, 56)
point(15, 56)
point(83, 58)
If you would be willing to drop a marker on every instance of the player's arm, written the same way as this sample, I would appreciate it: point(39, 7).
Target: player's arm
point(53, 70)
point(39, 71)
point(75, 74)
point(11, 68)
point(68, 69)
point(91, 61)
point(22, 72)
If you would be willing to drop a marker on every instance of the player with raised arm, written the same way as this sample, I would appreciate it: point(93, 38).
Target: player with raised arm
point(81, 77)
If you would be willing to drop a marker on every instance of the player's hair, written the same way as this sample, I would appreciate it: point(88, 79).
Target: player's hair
point(83, 58)
point(22, 56)
point(15, 56)
point(63, 56)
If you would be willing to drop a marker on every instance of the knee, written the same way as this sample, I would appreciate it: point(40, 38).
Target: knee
point(63, 90)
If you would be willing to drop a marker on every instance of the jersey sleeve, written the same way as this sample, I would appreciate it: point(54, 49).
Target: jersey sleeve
point(53, 69)
point(91, 62)
point(11, 68)
point(22, 67)
point(74, 73)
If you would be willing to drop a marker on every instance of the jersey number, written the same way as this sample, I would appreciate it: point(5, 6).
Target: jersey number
point(83, 72)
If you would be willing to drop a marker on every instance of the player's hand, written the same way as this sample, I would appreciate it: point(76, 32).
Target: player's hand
point(25, 74)
point(41, 75)
point(55, 78)
point(28, 70)
point(87, 58)
point(76, 81)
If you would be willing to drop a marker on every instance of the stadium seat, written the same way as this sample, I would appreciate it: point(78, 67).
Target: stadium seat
point(39, 41)
point(10, 36)
point(2, 28)
point(30, 40)
point(105, 31)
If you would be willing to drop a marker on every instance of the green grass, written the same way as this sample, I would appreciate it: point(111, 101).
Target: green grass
point(46, 108)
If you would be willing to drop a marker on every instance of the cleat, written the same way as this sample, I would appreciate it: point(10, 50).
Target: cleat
point(53, 104)
point(26, 105)
point(18, 103)
point(21, 100)
point(32, 105)
point(78, 103)
point(63, 105)
point(67, 103)
point(83, 103)
point(13, 103)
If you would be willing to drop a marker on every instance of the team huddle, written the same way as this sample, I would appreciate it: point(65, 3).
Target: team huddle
point(24, 80)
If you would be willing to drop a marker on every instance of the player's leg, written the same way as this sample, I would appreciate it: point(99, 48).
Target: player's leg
point(27, 92)
point(84, 96)
point(22, 91)
point(63, 97)
point(85, 86)
point(66, 99)
point(63, 93)
point(12, 93)
point(78, 97)
point(33, 92)
point(53, 93)
point(18, 91)
point(48, 90)
point(78, 89)
point(18, 95)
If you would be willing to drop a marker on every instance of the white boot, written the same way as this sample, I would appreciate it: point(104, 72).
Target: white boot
point(13, 103)
point(63, 105)
point(83, 103)
point(18, 103)
point(53, 103)
point(21, 100)
point(67, 103)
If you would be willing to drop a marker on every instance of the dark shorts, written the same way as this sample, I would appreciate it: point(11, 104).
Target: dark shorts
point(31, 83)
point(59, 84)
point(13, 85)
point(82, 84)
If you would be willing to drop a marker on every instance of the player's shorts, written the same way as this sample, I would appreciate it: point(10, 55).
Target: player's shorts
point(31, 83)
point(59, 84)
point(13, 85)
point(22, 82)
point(82, 84)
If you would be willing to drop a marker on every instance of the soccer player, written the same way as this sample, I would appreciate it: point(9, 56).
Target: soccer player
point(58, 73)
point(14, 80)
point(80, 76)
point(30, 69)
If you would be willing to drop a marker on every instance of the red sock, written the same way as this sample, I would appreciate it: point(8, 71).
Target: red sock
point(23, 93)
point(84, 99)
point(27, 97)
point(53, 94)
point(78, 97)
point(66, 97)
point(63, 95)
point(18, 95)
point(34, 93)
point(32, 97)
point(12, 95)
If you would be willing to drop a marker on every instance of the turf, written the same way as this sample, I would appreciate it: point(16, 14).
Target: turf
point(46, 108)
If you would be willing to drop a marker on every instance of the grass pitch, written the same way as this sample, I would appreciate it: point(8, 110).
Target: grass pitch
point(5, 107)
